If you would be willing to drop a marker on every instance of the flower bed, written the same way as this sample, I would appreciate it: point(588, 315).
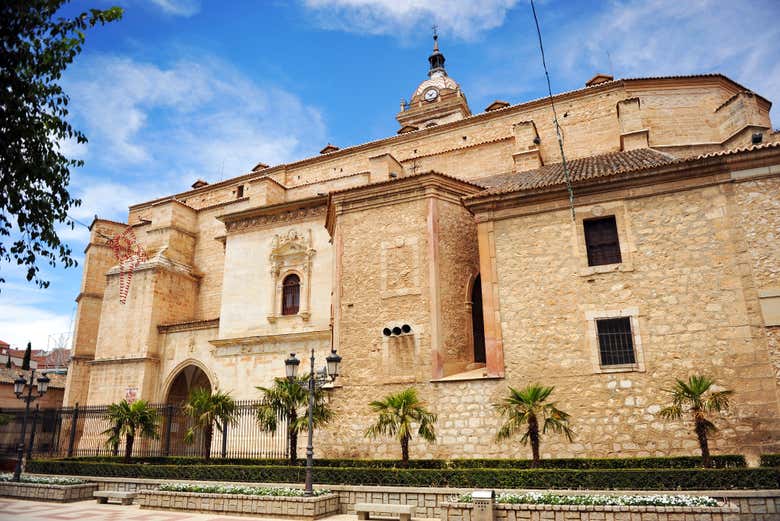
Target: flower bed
point(261, 501)
point(43, 480)
point(517, 507)
point(232, 489)
point(40, 488)
point(536, 498)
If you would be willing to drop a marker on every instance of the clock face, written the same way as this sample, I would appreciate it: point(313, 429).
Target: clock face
point(431, 94)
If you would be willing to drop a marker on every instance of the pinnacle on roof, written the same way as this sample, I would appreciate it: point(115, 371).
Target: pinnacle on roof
point(437, 58)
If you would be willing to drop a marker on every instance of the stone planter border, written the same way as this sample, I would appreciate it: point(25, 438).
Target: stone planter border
point(308, 508)
point(521, 512)
point(48, 492)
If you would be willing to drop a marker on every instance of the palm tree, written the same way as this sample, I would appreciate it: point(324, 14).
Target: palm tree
point(289, 400)
point(525, 409)
point(396, 414)
point(690, 397)
point(130, 420)
point(209, 410)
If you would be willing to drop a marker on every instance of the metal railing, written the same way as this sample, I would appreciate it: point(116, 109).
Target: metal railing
point(78, 431)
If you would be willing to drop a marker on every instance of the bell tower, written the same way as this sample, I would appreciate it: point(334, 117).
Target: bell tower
point(436, 100)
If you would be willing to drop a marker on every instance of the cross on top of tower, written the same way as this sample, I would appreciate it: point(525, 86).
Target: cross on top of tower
point(437, 58)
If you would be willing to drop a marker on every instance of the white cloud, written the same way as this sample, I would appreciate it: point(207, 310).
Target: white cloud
point(668, 37)
point(184, 8)
point(20, 324)
point(150, 125)
point(464, 19)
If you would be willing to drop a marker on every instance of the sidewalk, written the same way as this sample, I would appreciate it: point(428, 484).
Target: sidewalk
point(18, 510)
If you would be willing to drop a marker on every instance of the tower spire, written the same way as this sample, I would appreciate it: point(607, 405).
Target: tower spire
point(437, 58)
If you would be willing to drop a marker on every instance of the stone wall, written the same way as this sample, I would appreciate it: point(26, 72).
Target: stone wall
point(465, 512)
point(308, 508)
point(683, 283)
point(41, 492)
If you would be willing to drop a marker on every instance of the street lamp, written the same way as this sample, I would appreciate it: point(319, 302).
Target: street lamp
point(317, 379)
point(19, 384)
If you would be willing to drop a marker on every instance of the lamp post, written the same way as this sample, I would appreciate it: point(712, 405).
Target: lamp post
point(316, 380)
point(19, 384)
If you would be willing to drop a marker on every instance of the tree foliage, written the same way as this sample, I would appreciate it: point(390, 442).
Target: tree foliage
point(26, 358)
point(129, 420)
point(37, 47)
point(209, 410)
point(289, 400)
point(526, 410)
point(396, 415)
point(697, 398)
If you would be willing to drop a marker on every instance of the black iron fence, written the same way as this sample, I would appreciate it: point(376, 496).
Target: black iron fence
point(79, 431)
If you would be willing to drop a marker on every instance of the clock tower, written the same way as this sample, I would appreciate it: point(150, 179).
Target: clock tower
point(436, 100)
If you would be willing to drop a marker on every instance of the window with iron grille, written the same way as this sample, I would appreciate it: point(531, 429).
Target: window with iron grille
point(291, 295)
point(601, 241)
point(616, 342)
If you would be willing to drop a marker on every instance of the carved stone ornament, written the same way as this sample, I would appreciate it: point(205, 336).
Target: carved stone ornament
point(291, 252)
point(261, 221)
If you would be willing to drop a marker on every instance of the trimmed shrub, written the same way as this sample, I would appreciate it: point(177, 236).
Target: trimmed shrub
point(681, 462)
point(770, 460)
point(598, 479)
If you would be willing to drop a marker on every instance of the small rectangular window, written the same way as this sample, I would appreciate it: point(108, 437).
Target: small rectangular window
point(601, 241)
point(240, 192)
point(616, 342)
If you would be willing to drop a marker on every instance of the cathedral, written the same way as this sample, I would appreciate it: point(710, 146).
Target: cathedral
point(465, 255)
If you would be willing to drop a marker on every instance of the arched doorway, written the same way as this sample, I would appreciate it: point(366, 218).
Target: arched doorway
point(189, 378)
point(477, 321)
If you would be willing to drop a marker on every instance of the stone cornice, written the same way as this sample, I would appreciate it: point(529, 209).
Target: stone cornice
point(268, 343)
point(677, 176)
point(124, 360)
point(192, 325)
point(88, 294)
point(274, 215)
point(395, 191)
point(160, 262)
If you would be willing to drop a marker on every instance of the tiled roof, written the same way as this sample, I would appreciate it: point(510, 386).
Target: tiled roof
point(583, 169)
point(587, 168)
point(7, 376)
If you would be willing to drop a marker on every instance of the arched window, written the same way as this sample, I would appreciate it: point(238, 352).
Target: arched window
point(291, 295)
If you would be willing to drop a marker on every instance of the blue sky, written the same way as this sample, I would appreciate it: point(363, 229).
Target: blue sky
point(186, 89)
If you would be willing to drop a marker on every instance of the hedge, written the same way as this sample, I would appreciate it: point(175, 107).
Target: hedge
point(770, 460)
point(598, 479)
point(683, 462)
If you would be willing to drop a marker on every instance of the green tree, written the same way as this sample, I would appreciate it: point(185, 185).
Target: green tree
point(526, 410)
point(34, 174)
point(697, 398)
point(289, 401)
point(130, 420)
point(209, 410)
point(8, 360)
point(26, 358)
point(396, 415)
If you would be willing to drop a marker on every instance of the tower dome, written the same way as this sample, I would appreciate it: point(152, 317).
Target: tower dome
point(436, 100)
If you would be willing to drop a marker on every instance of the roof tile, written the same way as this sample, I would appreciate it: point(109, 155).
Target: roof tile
point(582, 169)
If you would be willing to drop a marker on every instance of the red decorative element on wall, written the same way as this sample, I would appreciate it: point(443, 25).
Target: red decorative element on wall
point(130, 254)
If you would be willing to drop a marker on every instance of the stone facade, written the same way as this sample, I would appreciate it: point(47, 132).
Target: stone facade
point(395, 232)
